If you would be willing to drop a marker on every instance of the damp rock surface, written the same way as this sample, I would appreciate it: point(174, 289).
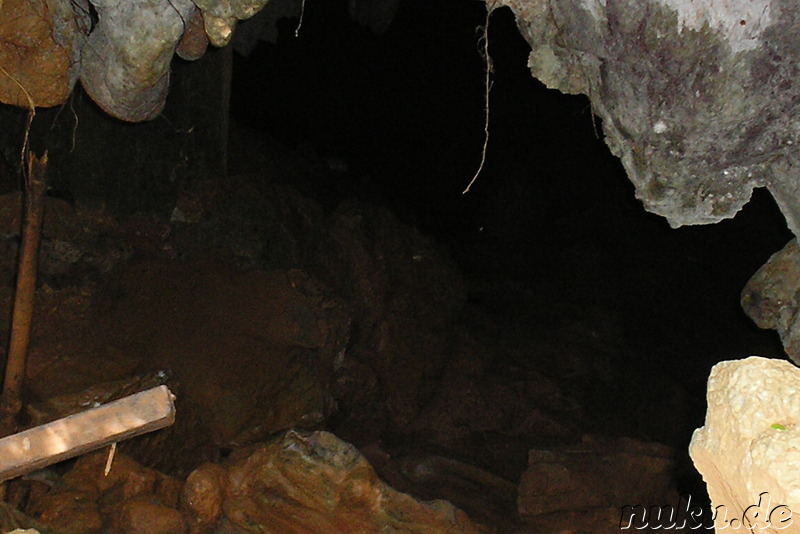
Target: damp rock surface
point(770, 297)
point(698, 100)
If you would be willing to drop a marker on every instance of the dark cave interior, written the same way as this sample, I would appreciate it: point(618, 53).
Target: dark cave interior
point(551, 236)
point(552, 208)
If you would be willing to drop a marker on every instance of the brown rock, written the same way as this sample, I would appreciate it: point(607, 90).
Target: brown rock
point(312, 483)
point(186, 315)
point(603, 520)
point(31, 55)
point(194, 41)
point(129, 497)
point(125, 480)
point(169, 491)
point(146, 516)
point(68, 511)
point(203, 495)
point(597, 473)
point(770, 297)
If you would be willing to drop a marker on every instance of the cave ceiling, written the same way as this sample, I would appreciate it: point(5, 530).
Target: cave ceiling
point(699, 99)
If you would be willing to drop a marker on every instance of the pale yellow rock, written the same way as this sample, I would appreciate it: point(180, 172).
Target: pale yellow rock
point(748, 451)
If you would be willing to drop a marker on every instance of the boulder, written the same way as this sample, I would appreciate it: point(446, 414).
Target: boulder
point(748, 451)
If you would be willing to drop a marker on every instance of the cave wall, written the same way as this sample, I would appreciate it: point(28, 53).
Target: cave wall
point(698, 98)
point(131, 167)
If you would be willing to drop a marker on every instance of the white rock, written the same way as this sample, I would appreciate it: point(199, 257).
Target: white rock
point(748, 451)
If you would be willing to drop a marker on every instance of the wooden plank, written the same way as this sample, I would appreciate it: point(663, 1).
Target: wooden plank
point(80, 433)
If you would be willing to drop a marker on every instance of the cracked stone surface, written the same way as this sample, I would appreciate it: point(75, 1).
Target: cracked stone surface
point(747, 450)
point(698, 99)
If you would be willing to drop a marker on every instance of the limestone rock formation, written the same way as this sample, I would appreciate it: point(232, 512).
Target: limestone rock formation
point(126, 60)
point(307, 483)
point(221, 17)
point(40, 44)
point(749, 448)
point(698, 99)
point(297, 482)
point(771, 297)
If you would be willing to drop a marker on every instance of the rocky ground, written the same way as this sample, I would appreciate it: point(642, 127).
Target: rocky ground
point(265, 309)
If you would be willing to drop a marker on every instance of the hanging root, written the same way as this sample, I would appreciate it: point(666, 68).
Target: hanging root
point(300, 22)
point(31, 115)
point(483, 46)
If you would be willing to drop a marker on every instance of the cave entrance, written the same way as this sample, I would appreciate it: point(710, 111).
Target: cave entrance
point(551, 235)
point(566, 272)
point(335, 277)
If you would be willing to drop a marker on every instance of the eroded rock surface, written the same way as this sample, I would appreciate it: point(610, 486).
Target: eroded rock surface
point(131, 499)
point(297, 482)
point(747, 451)
point(40, 44)
point(310, 483)
point(699, 100)
point(590, 482)
point(771, 297)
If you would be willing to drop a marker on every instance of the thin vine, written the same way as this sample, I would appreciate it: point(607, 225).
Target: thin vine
point(483, 46)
